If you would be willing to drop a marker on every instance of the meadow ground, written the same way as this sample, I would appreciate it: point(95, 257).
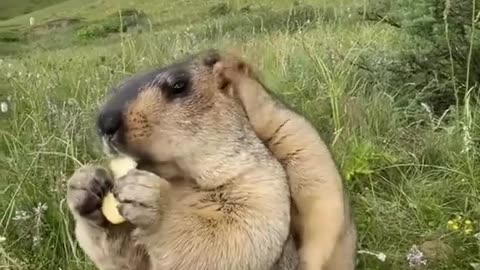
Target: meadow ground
point(411, 173)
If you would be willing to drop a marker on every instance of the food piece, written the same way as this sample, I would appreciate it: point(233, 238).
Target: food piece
point(119, 167)
point(110, 211)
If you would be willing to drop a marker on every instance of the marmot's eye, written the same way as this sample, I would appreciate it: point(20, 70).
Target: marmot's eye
point(177, 86)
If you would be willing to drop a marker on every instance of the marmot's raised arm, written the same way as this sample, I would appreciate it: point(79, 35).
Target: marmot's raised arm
point(217, 198)
point(328, 237)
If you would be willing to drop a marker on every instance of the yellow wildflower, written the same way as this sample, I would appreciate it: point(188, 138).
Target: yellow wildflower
point(453, 225)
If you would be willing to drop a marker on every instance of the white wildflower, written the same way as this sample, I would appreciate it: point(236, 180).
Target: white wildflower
point(72, 102)
point(467, 140)
point(32, 21)
point(3, 107)
point(36, 240)
point(40, 209)
point(2, 239)
point(21, 215)
point(415, 257)
point(380, 255)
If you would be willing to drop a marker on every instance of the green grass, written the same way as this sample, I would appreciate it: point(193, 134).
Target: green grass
point(10, 9)
point(408, 171)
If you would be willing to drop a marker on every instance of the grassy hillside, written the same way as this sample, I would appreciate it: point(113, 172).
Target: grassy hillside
point(410, 168)
point(10, 9)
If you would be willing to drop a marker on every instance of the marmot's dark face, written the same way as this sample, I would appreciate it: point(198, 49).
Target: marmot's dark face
point(169, 113)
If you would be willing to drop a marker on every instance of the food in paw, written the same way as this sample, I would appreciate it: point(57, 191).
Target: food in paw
point(119, 166)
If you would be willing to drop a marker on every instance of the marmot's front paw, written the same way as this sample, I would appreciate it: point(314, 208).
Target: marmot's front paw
point(85, 192)
point(231, 69)
point(142, 196)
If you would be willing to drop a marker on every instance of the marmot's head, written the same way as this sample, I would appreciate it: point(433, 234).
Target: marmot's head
point(172, 112)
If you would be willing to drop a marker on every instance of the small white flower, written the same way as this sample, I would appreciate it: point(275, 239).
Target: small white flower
point(32, 21)
point(3, 107)
point(40, 209)
point(380, 255)
point(2, 239)
point(72, 102)
point(36, 240)
point(21, 215)
point(415, 257)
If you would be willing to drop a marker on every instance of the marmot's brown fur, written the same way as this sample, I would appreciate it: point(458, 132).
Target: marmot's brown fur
point(322, 215)
point(217, 198)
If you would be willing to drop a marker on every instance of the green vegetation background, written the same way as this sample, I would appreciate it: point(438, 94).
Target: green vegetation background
point(391, 84)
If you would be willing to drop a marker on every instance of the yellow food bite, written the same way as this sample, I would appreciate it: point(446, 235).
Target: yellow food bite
point(119, 167)
point(110, 211)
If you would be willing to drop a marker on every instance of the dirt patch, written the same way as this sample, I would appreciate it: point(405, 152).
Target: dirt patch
point(57, 25)
point(114, 23)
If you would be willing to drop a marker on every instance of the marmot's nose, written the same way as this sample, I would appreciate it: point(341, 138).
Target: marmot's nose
point(109, 122)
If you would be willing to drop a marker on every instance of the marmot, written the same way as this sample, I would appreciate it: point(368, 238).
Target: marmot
point(321, 215)
point(217, 198)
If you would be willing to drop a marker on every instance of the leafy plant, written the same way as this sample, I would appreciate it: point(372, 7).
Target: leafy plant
point(363, 160)
point(92, 32)
point(445, 61)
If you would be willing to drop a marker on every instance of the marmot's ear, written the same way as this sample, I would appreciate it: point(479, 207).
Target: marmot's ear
point(212, 57)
